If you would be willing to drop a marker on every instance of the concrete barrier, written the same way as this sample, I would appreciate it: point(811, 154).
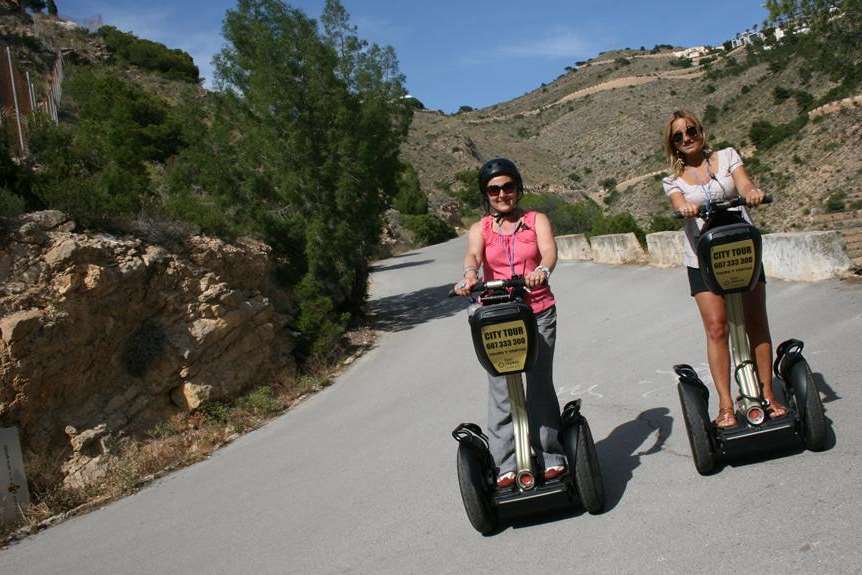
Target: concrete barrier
point(666, 248)
point(805, 256)
point(617, 249)
point(574, 247)
point(797, 256)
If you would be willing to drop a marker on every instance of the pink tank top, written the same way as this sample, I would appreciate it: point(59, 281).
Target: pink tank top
point(515, 254)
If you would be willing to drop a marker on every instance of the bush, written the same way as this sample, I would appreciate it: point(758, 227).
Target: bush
point(98, 169)
point(608, 183)
point(10, 204)
point(618, 224)
point(835, 202)
point(428, 229)
point(710, 115)
point(764, 135)
point(566, 218)
point(410, 199)
point(663, 223)
point(780, 94)
point(681, 62)
point(125, 47)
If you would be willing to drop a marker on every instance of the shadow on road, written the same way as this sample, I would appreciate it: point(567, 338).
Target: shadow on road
point(826, 390)
point(376, 268)
point(619, 455)
point(404, 311)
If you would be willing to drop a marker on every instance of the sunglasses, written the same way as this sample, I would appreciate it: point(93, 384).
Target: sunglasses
point(494, 191)
point(692, 132)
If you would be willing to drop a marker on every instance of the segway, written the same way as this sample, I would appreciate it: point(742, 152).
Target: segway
point(730, 252)
point(505, 339)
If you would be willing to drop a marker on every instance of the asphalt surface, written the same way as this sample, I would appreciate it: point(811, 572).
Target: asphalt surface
point(361, 477)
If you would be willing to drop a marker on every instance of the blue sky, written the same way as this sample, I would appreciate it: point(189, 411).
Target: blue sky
point(456, 53)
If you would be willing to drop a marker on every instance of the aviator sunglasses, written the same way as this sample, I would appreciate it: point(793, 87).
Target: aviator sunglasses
point(494, 191)
point(692, 132)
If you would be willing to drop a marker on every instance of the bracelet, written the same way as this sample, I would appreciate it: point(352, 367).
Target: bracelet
point(545, 270)
point(468, 269)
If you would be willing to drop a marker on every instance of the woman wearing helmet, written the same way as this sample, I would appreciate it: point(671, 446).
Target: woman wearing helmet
point(506, 242)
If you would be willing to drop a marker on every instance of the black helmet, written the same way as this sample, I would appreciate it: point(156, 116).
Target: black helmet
point(498, 167)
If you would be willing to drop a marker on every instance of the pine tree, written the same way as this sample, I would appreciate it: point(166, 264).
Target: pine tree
point(325, 116)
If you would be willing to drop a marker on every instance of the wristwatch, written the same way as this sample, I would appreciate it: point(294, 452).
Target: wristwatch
point(545, 270)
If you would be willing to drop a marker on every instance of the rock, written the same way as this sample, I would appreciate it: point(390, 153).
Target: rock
point(48, 220)
point(189, 396)
point(19, 325)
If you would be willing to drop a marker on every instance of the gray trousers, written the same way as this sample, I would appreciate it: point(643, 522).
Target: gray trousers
point(543, 408)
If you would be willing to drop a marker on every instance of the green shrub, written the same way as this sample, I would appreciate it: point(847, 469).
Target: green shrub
point(125, 47)
point(608, 183)
point(780, 94)
point(681, 62)
point(97, 169)
point(764, 135)
point(410, 199)
point(836, 202)
point(618, 224)
point(428, 229)
point(259, 401)
point(10, 204)
point(710, 114)
point(663, 223)
point(566, 218)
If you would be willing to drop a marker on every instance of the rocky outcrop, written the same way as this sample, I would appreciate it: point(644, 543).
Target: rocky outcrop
point(104, 336)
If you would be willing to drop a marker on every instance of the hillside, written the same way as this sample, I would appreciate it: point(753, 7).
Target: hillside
point(595, 132)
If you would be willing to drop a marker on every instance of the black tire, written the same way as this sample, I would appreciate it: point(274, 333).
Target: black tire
point(807, 398)
point(584, 463)
point(699, 428)
point(473, 478)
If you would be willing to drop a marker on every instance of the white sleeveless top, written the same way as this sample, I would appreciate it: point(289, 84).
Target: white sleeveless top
point(720, 187)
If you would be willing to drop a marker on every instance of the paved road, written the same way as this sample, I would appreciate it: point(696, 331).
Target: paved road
point(361, 478)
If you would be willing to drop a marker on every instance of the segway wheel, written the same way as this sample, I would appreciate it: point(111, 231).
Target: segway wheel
point(586, 472)
point(809, 405)
point(474, 479)
point(698, 427)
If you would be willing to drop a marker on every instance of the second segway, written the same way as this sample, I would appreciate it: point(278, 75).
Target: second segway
point(505, 340)
point(730, 255)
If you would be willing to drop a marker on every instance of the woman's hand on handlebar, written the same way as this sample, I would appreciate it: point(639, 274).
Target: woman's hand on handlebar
point(535, 278)
point(464, 287)
point(754, 197)
point(688, 210)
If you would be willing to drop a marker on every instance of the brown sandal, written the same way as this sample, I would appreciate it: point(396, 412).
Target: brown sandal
point(775, 409)
point(726, 418)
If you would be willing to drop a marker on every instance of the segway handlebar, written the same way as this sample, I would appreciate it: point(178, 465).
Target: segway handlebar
point(715, 207)
point(517, 282)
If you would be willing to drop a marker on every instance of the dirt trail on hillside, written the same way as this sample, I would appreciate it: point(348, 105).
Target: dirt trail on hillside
point(832, 107)
point(626, 82)
point(625, 184)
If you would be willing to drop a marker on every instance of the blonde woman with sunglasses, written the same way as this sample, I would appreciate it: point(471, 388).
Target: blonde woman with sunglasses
point(701, 175)
point(507, 242)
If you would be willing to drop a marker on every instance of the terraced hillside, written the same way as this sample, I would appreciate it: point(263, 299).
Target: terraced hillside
point(594, 132)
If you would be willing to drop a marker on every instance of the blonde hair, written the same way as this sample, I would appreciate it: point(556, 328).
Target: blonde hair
point(674, 157)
